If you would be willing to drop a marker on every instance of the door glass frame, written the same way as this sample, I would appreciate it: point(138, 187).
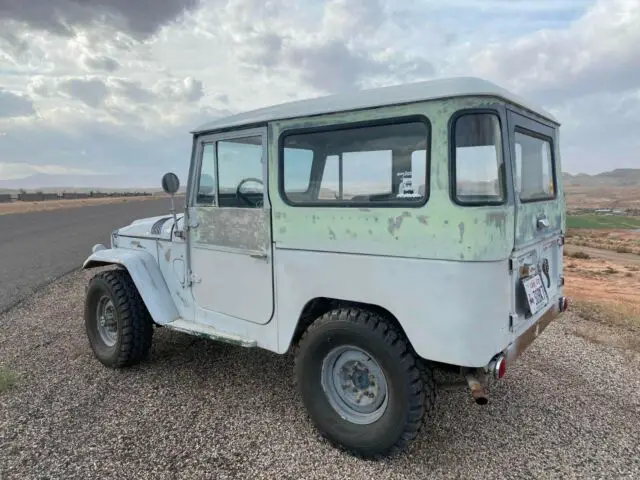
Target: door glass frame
point(199, 143)
point(519, 123)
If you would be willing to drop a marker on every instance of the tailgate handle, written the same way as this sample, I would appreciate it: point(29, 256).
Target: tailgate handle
point(542, 222)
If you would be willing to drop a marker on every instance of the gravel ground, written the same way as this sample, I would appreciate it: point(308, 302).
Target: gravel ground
point(197, 409)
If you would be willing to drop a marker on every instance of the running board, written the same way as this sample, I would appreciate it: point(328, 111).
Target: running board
point(205, 331)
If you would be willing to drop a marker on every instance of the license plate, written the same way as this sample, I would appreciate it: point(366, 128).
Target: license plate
point(536, 293)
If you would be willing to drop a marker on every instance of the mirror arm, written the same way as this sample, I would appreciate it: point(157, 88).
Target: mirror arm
point(176, 232)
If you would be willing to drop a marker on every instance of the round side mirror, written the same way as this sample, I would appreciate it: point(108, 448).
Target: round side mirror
point(170, 183)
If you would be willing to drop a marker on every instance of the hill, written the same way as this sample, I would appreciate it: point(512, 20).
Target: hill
point(80, 183)
point(620, 177)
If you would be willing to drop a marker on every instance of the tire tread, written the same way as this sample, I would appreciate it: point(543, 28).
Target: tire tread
point(420, 375)
point(137, 325)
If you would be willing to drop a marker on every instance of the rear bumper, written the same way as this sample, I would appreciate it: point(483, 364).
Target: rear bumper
point(522, 342)
point(526, 338)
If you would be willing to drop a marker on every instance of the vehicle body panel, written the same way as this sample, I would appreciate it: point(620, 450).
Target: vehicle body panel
point(540, 223)
point(438, 230)
point(424, 295)
point(147, 276)
point(230, 248)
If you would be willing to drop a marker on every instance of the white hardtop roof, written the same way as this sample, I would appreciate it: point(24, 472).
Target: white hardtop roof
point(383, 96)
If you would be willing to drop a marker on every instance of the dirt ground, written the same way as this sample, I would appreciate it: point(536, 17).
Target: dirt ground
point(25, 207)
point(604, 287)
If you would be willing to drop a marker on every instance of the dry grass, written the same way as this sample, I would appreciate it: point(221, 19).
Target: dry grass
point(25, 207)
point(615, 240)
point(579, 254)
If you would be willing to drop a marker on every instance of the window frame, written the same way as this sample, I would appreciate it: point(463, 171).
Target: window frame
point(502, 171)
point(380, 122)
point(195, 168)
point(201, 150)
point(546, 138)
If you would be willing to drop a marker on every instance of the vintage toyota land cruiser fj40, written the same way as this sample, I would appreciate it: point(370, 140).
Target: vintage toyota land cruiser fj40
point(379, 234)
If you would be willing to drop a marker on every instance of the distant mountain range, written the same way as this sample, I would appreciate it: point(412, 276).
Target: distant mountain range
point(75, 182)
point(620, 177)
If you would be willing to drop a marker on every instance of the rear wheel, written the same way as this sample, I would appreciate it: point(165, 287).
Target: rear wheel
point(117, 322)
point(360, 382)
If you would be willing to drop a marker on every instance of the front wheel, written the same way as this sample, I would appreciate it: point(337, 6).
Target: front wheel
point(117, 322)
point(360, 382)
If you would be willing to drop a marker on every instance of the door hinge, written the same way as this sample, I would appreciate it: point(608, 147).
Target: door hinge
point(512, 321)
point(193, 278)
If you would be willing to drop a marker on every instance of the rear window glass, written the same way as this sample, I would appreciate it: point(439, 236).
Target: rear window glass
point(478, 159)
point(534, 168)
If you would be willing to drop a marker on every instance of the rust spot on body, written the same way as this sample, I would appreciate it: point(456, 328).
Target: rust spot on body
point(423, 219)
point(167, 254)
point(461, 228)
point(332, 234)
point(396, 222)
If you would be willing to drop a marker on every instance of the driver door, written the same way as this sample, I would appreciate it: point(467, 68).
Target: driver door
point(229, 233)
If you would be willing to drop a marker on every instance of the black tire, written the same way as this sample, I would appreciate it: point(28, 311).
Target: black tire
point(411, 387)
point(133, 323)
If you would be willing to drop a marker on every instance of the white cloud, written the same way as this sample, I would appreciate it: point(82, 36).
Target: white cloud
point(125, 82)
point(15, 105)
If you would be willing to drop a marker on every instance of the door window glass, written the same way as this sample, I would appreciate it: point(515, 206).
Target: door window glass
point(240, 173)
point(534, 168)
point(206, 181)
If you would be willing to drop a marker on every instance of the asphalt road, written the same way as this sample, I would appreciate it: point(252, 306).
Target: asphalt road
point(39, 247)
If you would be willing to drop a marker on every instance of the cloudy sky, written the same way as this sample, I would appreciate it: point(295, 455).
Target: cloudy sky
point(113, 87)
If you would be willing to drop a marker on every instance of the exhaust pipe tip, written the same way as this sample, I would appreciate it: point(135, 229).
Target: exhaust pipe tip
point(477, 391)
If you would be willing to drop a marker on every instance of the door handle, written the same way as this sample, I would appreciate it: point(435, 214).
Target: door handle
point(542, 222)
point(259, 256)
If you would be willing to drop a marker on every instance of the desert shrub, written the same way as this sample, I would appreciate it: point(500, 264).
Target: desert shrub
point(580, 255)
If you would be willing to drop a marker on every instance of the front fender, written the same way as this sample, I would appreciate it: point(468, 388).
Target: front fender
point(146, 275)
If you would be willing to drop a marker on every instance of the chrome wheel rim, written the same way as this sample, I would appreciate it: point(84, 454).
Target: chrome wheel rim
point(106, 321)
point(354, 384)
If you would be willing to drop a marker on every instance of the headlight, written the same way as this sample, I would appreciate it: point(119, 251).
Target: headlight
point(114, 239)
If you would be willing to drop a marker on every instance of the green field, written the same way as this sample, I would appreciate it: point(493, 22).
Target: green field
point(602, 221)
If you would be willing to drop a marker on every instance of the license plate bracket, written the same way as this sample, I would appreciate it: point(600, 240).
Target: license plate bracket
point(535, 292)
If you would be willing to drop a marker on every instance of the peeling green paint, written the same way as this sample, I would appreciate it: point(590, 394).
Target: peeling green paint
point(440, 229)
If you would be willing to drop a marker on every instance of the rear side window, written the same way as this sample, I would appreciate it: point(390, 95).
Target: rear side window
point(478, 160)
point(534, 168)
point(376, 164)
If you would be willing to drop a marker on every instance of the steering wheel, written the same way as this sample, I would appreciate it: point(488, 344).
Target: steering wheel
point(246, 199)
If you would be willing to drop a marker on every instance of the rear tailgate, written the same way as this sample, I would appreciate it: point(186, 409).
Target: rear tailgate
point(540, 219)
